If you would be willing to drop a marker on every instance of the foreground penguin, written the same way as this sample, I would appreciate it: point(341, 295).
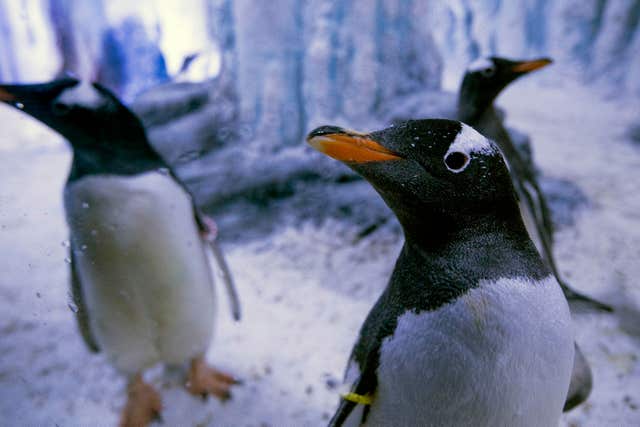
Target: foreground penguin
point(472, 329)
point(482, 83)
point(140, 275)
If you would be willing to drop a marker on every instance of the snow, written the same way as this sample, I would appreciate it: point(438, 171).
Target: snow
point(306, 288)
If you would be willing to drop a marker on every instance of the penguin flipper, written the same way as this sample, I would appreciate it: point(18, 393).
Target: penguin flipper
point(535, 202)
point(581, 381)
point(361, 394)
point(209, 230)
point(342, 413)
point(82, 314)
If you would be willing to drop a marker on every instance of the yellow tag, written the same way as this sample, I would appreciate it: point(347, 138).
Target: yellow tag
point(357, 398)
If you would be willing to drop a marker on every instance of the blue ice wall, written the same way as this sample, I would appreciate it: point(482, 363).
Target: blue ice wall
point(599, 39)
point(295, 64)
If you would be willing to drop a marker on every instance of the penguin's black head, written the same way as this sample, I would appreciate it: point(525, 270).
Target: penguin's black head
point(85, 114)
point(486, 77)
point(425, 168)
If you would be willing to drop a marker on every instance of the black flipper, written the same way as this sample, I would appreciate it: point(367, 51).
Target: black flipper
point(204, 224)
point(581, 381)
point(343, 412)
point(82, 314)
point(361, 388)
point(541, 215)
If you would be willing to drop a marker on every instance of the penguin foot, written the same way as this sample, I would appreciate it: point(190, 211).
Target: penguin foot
point(204, 380)
point(143, 404)
point(572, 295)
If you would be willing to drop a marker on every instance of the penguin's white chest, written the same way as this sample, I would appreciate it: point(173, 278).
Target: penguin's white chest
point(143, 268)
point(501, 355)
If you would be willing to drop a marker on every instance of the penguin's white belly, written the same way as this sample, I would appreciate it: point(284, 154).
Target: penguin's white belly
point(501, 355)
point(143, 268)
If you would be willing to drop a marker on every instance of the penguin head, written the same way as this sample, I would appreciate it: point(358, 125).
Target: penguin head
point(88, 115)
point(485, 78)
point(425, 168)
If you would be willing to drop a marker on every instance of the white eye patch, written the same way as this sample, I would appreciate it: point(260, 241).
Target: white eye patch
point(480, 64)
point(467, 142)
point(82, 95)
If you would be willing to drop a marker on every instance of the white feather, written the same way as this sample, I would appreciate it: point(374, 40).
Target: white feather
point(470, 141)
point(143, 267)
point(83, 94)
point(480, 64)
point(501, 355)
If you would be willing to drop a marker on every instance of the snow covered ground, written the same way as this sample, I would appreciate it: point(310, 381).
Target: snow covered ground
point(305, 290)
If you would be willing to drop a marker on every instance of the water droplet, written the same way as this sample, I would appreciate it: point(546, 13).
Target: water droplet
point(416, 138)
point(163, 171)
point(19, 105)
point(67, 260)
point(65, 243)
point(83, 247)
point(85, 205)
point(94, 232)
point(413, 144)
point(73, 307)
point(38, 294)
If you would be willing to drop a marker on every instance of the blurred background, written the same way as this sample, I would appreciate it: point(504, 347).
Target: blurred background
point(227, 90)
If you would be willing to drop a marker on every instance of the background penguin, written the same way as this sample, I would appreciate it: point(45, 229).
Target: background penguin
point(472, 328)
point(140, 275)
point(482, 83)
point(484, 80)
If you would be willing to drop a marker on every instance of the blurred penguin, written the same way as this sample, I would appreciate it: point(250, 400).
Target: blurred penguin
point(483, 81)
point(140, 273)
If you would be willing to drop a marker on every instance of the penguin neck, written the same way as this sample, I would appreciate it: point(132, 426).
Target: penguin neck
point(474, 100)
point(446, 240)
point(471, 109)
point(432, 229)
point(442, 261)
point(112, 158)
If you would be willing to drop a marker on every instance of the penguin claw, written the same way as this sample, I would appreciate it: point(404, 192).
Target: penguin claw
point(210, 233)
point(143, 404)
point(204, 380)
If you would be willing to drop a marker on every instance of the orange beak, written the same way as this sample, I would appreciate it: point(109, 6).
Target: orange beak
point(351, 147)
point(527, 66)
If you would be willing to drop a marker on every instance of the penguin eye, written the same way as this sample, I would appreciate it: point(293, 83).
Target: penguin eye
point(488, 72)
point(456, 161)
point(60, 108)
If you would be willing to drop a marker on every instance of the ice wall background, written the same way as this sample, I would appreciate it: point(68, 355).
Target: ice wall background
point(274, 70)
point(310, 244)
point(294, 63)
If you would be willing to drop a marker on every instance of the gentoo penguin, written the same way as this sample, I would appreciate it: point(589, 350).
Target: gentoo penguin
point(482, 83)
point(472, 329)
point(140, 273)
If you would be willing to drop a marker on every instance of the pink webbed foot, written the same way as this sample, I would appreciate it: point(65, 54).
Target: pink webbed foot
point(143, 404)
point(204, 380)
